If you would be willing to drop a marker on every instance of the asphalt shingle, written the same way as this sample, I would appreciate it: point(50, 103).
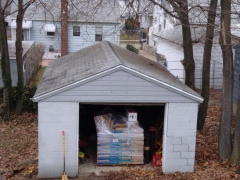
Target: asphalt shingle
point(98, 58)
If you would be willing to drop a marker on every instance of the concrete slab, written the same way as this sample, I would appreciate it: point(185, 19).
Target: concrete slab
point(92, 168)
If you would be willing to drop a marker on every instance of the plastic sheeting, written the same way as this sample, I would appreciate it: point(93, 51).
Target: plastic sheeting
point(119, 141)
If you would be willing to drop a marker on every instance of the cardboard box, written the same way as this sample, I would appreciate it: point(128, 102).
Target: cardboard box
point(131, 114)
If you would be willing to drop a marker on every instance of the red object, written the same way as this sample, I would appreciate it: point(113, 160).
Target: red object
point(154, 158)
point(158, 160)
point(63, 133)
point(82, 143)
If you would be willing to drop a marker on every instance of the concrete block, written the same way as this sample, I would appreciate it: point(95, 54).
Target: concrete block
point(172, 155)
point(51, 155)
point(181, 133)
point(188, 155)
point(191, 162)
point(182, 126)
point(65, 111)
point(177, 162)
point(176, 140)
point(67, 118)
point(186, 168)
point(52, 148)
point(184, 118)
point(189, 140)
point(43, 118)
point(170, 168)
point(168, 140)
point(48, 168)
point(49, 111)
point(59, 126)
point(169, 148)
point(183, 105)
point(192, 147)
point(180, 148)
point(53, 168)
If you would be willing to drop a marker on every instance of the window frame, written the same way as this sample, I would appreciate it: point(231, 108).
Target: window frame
point(76, 32)
point(98, 33)
point(50, 33)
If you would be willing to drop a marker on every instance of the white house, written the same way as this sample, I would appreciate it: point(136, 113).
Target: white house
point(165, 39)
point(88, 22)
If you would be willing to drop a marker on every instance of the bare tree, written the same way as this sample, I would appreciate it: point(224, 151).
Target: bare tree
point(20, 84)
point(206, 64)
point(181, 13)
point(224, 141)
point(5, 63)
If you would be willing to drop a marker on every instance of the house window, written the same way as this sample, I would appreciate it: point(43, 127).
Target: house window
point(50, 33)
point(98, 33)
point(159, 27)
point(154, 43)
point(76, 30)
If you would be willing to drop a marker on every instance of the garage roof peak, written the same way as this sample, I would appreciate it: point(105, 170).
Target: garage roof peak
point(101, 59)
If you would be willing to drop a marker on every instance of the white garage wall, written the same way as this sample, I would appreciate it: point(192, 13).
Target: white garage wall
point(55, 117)
point(179, 139)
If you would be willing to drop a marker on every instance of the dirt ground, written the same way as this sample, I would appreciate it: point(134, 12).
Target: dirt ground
point(19, 152)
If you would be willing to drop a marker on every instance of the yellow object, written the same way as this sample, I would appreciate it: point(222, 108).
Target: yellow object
point(64, 176)
point(81, 155)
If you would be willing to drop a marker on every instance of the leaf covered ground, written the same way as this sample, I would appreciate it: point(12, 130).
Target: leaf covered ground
point(18, 152)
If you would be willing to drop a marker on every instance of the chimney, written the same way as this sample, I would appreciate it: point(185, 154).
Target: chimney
point(64, 27)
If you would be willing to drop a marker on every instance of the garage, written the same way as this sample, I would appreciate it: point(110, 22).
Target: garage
point(106, 75)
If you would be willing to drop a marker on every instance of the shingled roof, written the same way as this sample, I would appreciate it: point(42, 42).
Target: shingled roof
point(100, 58)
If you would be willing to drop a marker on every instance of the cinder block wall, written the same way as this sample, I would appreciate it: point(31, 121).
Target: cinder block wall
point(179, 139)
point(53, 118)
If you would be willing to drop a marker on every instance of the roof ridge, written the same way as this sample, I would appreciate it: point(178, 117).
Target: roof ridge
point(118, 57)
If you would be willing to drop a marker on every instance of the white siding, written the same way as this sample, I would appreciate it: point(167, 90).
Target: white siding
point(216, 68)
point(179, 138)
point(119, 87)
point(111, 33)
point(39, 35)
point(174, 55)
point(53, 118)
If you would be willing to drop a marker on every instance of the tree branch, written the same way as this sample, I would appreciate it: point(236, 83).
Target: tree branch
point(165, 9)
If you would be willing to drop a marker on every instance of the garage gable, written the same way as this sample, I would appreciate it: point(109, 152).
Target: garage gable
point(119, 87)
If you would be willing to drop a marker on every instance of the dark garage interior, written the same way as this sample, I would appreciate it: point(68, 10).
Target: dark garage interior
point(150, 119)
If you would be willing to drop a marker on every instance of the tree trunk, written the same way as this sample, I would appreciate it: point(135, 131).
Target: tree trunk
point(5, 65)
point(188, 63)
point(19, 59)
point(224, 137)
point(206, 64)
point(236, 142)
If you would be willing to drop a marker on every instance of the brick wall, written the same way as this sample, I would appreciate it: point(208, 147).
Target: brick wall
point(179, 137)
point(53, 118)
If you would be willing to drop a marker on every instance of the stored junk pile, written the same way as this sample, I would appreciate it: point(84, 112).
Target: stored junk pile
point(119, 141)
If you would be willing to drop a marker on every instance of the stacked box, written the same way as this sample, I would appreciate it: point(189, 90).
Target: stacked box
point(115, 146)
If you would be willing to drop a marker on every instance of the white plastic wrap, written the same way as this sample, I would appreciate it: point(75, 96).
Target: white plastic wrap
point(119, 141)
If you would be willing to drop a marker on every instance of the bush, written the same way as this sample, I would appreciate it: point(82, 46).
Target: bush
point(132, 48)
point(28, 104)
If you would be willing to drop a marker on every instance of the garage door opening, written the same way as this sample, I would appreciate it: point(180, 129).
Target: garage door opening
point(96, 150)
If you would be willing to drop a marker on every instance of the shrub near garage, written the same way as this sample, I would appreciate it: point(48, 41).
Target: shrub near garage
point(28, 104)
point(131, 48)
